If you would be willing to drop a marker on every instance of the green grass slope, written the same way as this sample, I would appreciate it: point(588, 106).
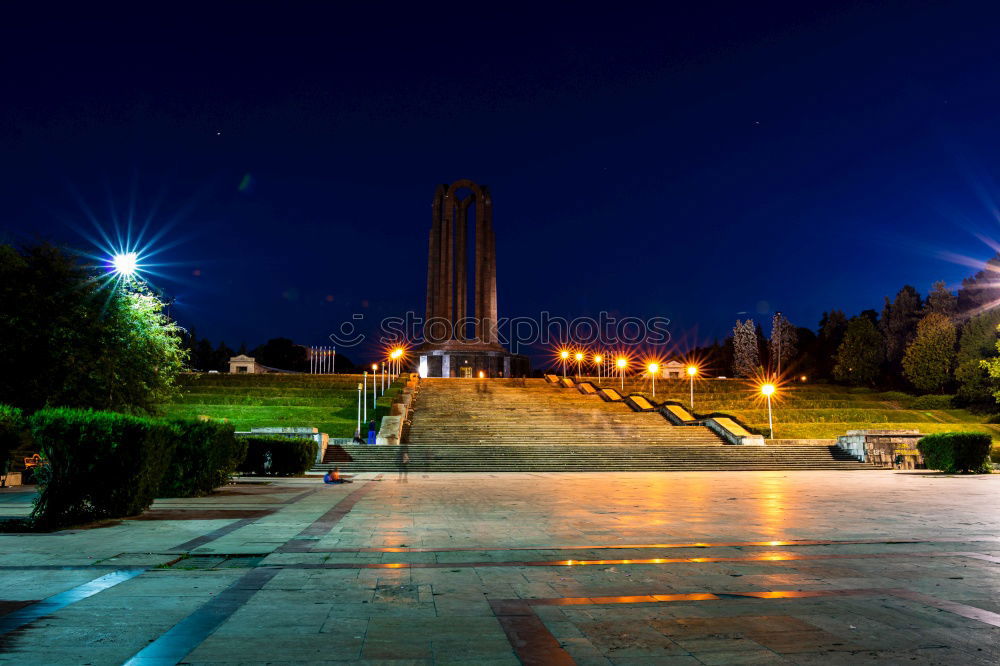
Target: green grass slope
point(326, 402)
point(815, 411)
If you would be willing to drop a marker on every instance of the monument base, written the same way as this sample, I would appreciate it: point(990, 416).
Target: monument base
point(470, 360)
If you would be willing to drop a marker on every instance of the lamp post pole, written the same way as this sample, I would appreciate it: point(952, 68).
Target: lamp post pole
point(692, 371)
point(357, 432)
point(767, 390)
point(770, 422)
point(366, 397)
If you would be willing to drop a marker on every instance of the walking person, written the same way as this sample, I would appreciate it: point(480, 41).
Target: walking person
point(404, 461)
point(371, 433)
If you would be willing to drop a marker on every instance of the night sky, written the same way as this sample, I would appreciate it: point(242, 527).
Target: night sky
point(698, 163)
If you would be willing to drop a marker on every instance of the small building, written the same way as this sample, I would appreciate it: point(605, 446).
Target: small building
point(243, 365)
point(672, 370)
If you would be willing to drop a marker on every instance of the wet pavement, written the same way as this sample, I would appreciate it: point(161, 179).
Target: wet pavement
point(630, 568)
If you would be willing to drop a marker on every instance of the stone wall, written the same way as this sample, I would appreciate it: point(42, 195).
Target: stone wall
point(883, 447)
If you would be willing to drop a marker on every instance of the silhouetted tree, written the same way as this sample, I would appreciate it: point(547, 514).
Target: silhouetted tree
point(860, 355)
point(283, 354)
point(781, 347)
point(746, 353)
point(832, 328)
point(941, 301)
point(980, 290)
point(899, 326)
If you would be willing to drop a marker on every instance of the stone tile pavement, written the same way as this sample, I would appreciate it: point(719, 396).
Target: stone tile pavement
point(631, 568)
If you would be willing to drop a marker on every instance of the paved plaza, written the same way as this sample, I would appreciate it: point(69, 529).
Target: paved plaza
point(631, 568)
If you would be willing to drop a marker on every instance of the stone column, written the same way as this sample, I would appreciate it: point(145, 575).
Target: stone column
point(461, 267)
point(434, 252)
point(445, 365)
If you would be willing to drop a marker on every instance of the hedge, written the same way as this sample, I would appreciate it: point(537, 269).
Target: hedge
point(99, 464)
point(278, 456)
point(206, 453)
point(12, 434)
point(956, 451)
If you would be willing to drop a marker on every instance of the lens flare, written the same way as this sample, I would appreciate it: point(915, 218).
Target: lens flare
point(125, 264)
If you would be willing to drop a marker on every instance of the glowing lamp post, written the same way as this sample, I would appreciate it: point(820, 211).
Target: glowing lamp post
point(692, 371)
point(374, 393)
point(621, 363)
point(396, 354)
point(767, 390)
point(365, 389)
point(357, 433)
point(125, 264)
point(598, 359)
point(564, 355)
point(579, 365)
point(653, 368)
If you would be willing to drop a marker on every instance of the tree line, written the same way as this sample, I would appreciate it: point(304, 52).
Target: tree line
point(932, 344)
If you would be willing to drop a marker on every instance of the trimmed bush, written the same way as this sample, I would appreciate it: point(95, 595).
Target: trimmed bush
point(932, 402)
point(956, 451)
point(98, 464)
point(12, 434)
point(206, 454)
point(278, 456)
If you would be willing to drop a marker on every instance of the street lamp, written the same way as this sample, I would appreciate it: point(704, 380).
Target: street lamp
point(598, 359)
point(653, 368)
point(768, 390)
point(564, 355)
point(621, 363)
point(692, 371)
point(579, 365)
point(366, 399)
point(357, 433)
point(374, 393)
point(125, 263)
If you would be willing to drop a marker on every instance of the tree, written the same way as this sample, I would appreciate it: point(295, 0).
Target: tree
point(71, 340)
point(980, 290)
point(832, 328)
point(899, 325)
point(928, 360)
point(783, 340)
point(860, 355)
point(941, 300)
point(220, 358)
point(746, 355)
point(977, 342)
point(283, 354)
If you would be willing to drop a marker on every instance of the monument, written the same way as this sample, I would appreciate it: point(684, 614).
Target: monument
point(449, 349)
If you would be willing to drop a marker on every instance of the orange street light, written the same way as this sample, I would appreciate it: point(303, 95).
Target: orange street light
point(622, 362)
point(767, 390)
point(692, 370)
point(598, 359)
point(653, 368)
point(564, 355)
point(579, 364)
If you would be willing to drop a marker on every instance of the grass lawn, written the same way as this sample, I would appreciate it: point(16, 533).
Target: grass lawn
point(815, 411)
point(328, 403)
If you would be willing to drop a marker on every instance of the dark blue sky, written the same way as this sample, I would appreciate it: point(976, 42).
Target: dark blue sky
point(693, 163)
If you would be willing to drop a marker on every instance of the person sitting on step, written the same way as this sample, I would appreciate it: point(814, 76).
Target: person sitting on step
point(333, 476)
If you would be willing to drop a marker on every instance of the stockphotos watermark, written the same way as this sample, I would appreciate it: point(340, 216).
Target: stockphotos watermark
point(511, 332)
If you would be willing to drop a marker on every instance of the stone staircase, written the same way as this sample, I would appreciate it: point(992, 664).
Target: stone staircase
point(528, 425)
